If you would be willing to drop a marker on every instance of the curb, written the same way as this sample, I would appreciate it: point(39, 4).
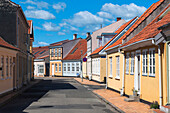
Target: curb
point(12, 95)
point(103, 99)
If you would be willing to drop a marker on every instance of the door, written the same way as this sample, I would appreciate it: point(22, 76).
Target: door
point(138, 74)
point(52, 69)
point(47, 69)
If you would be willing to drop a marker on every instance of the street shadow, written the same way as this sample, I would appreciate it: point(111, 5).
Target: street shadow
point(33, 94)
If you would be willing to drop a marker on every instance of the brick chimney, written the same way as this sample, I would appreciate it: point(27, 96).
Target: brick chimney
point(118, 18)
point(87, 34)
point(74, 36)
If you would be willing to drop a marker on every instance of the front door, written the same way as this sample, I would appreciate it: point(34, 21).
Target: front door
point(52, 69)
point(137, 72)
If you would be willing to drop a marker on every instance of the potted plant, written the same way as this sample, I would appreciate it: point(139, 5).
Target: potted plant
point(154, 105)
point(135, 92)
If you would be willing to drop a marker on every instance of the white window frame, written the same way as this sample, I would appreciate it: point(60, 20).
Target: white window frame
point(2, 66)
point(56, 52)
point(151, 66)
point(10, 66)
point(145, 62)
point(7, 66)
point(111, 66)
point(56, 67)
point(132, 66)
point(52, 52)
point(127, 63)
point(59, 67)
point(59, 52)
point(40, 68)
point(68, 67)
point(117, 67)
point(77, 67)
point(73, 67)
point(65, 67)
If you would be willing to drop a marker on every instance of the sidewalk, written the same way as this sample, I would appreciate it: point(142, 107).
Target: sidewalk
point(5, 99)
point(115, 99)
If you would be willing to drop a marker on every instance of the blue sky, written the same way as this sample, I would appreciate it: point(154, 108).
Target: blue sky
point(56, 20)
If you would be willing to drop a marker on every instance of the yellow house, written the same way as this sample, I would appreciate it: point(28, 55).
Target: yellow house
point(145, 62)
point(8, 78)
point(56, 61)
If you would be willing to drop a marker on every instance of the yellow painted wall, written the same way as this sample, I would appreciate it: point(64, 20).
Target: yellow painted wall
point(84, 69)
point(149, 85)
point(112, 81)
point(102, 69)
point(7, 83)
point(56, 58)
point(56, 73)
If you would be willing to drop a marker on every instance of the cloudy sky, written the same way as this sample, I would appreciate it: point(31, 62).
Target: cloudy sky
point(56, 20)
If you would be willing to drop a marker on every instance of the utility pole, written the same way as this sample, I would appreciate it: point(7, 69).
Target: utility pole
point(81, 67)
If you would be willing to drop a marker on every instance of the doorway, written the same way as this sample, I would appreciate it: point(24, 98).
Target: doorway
point(137, 82)
point(52, 69)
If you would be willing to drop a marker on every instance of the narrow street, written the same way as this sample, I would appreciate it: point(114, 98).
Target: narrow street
point(57, 95)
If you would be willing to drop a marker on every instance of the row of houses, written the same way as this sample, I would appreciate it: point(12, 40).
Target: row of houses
point(134, 55)
point(61, 58)
point(16, 38)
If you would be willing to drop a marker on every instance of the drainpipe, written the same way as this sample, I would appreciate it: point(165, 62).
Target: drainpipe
point(106, 69)
point(160, 76)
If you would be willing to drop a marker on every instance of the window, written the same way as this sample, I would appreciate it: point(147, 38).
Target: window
point(42, 52)
point(127, 63)
point(52, 52)
point(55, 52)
point(110, 59)
point(59, 52)
point(117, 66)
point(77, 66)
point(73, 67)
point(145, 63)
point(59, 67)
point(40, 68)
point(64, 67)
point(2, 66)
point(7, 69)
point(56, 67)
point(68, 66)
point(152, 62)
point(132, 63)
point(10, 66)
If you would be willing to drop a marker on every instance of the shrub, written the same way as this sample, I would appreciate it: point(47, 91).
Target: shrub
point(154, 105)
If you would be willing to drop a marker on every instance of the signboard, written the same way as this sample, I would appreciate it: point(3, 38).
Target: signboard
point(84, 59)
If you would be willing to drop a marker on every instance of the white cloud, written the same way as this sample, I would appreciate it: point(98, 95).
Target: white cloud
point(84, 18)
point(74, 28)
point(125, 11)
point(39, 14)
point(49, 26)
point(61, 33)
point(105, 15)
point(30, 7)
point(40, 4)
point(60, 6)
point(42, 43)
point(36, 27)
point(63, 24)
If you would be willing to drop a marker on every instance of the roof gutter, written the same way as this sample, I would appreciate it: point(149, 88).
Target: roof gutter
point(150, 39)
point(113, 47)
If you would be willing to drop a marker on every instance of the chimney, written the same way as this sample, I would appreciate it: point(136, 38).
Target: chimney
point(74, 36)
point(87, 34)
point(118, 18)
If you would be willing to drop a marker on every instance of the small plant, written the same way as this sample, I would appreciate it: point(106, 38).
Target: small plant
point(135, 92)
point(87, 77)
point(154, 105)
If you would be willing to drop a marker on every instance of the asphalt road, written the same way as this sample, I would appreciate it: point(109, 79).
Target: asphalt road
point(60, 95)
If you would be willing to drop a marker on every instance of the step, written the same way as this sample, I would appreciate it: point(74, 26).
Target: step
point(129, 100)
point(158, 111)
point(165, 109)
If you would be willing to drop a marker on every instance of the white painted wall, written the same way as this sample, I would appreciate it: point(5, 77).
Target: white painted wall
point(36, 68)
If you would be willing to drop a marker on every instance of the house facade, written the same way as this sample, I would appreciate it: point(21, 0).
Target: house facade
point(94, 41)
point(58, 51)
point(140, 58)
point(72, 63)
point(41, 61)
point(8, 74)
point(13, 18)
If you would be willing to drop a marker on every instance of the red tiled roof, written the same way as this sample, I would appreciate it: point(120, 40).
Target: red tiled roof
point(151, 30)
point(75, 53)
point(137, 23)
point(7, 45)
point(44, 57)
point(59, 43)
point(117, 31)
point(40, 51)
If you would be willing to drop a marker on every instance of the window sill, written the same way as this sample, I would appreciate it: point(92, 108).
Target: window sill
point(127, 73)
point(110, 76)
point(152, 76)
point(132, 74)
point(145, 75)
point(117, 77)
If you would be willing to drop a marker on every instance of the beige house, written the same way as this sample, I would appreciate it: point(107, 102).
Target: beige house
point(7, 67)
